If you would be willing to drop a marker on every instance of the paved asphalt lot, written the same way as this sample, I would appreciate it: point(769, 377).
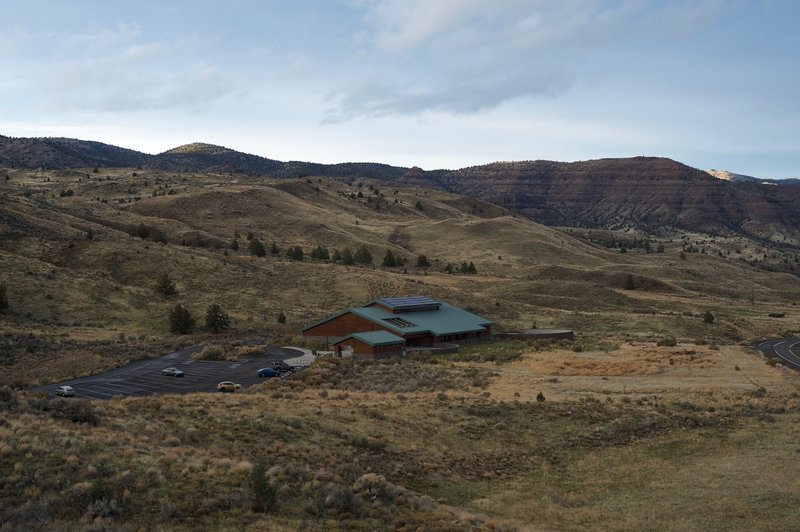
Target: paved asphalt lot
point(145, 378)
point(787, 349)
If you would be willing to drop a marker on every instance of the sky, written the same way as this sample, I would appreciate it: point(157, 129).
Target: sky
point(429, 83)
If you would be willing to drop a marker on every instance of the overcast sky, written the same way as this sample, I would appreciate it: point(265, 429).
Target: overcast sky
point(432, 83)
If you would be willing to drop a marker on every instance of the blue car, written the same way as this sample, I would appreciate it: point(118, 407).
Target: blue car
point(268, 373)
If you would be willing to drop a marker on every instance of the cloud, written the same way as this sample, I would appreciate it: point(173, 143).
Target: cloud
point(118, 70)
point(466, 56)
point(107, 88)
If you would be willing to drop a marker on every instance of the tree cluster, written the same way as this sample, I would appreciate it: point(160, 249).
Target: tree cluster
point(464, 269)
point(181, 320)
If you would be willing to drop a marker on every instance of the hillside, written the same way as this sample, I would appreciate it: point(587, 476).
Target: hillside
point(199, 157)
point(491, 437)
point(644, 192)
point(61, 153)
point(72, 266)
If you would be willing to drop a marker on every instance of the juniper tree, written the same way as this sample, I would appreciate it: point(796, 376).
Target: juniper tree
point(3, 297)
point(216, 318)
point(347, 256)
point(362, 255)
point(389, 260)
point(181, 320)
point(257, 248)
point(165, 285)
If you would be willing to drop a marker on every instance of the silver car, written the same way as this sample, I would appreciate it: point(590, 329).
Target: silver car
point(65, 391)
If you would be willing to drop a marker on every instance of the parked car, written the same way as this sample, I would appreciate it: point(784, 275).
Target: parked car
point(282, 366)
point(65, 391)
point(228, 386)
point(172, 372)
point(268, 373)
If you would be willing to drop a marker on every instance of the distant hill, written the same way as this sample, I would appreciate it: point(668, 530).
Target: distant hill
point(61, 153)
point(642, 192)
point(740, 178)
point(199, 157)
point(645, 192)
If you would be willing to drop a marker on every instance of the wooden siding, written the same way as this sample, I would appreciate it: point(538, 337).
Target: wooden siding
point(362, 349)
point(343, 325)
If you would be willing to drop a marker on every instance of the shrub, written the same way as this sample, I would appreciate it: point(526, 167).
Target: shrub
point(667, 341)
point(540, 397)
point(263, 495)
point(708, 317)
point(389, 260)
point(8, 398)
point(281, 318)
point(210, 352)
point(371, 486)
point(422, 261)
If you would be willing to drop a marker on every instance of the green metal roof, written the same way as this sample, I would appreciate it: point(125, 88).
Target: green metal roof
point(446, 319)
point(373, 338)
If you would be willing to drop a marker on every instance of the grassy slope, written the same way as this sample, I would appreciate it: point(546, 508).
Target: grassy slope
point(684, 438)
point(450, 452)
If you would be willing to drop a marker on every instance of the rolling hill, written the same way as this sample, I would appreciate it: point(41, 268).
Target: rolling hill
point(646, 193)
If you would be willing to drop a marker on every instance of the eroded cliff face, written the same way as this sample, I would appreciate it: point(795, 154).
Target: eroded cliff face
point(644, 192)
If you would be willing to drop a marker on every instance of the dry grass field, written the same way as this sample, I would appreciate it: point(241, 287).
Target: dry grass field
point(611, 431)
point(432, 443)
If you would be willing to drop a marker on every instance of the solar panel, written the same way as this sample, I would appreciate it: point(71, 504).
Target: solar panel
point(400, 322)
point(410, 303)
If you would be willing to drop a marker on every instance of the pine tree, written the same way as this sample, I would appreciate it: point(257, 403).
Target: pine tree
point(708, 317)
point(235, 245)
point(422, 262)
point(281, 318)
point(337, 256)
point(471, 268)
point(274, 250)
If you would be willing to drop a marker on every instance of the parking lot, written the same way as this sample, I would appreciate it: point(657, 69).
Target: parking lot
point(145, 378)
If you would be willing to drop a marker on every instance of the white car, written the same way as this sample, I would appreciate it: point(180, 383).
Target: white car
point(65, 391)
